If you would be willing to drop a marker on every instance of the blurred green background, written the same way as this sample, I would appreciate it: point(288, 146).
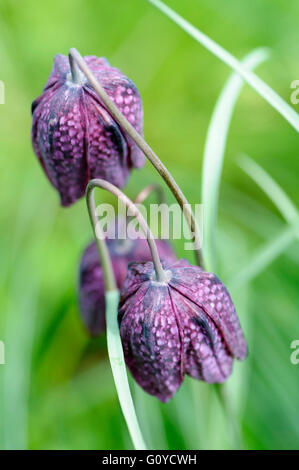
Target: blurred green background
point(56, 388)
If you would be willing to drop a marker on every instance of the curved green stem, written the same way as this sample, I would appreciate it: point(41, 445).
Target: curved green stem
point(146, 149)
point(115, 351)
point(135, 212)
point(116, 357)
point(108, 273)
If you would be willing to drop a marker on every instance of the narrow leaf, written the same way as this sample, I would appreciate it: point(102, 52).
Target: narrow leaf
point(119, 372)
point(266, 255)
point(214, 154)
point(253, 80)
point(277, 195)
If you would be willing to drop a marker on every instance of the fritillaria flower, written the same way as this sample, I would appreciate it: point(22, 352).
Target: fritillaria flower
point(74, 136)
point(91, 282)
point(186, 324)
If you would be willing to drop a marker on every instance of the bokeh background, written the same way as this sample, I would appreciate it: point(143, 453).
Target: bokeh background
point(56, 388)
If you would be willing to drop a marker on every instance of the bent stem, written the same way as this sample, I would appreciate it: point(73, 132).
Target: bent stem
point(115, 351)
point(105, 259)
point(135, 212)
point(145, 148)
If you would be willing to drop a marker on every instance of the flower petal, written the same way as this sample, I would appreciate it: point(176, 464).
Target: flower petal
point(151, 340)
point(125, 95)
point(206, 355)
point(107, 149)
point(209, 293)
point(91, 282)
point(59, 134)
point(74, 136)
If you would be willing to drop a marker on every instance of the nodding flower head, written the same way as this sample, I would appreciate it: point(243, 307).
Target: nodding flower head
point(91, 281)
point(74, 136)
point(184, 325)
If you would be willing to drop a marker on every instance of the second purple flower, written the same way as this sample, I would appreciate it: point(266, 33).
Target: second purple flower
point(91, 281)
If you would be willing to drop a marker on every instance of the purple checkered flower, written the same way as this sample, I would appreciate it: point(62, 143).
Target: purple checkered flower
point(74, 136)
point(91, 282)
point(184, 325)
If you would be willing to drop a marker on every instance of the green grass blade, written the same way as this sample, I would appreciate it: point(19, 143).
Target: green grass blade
point(266, 255)
point(118, 367)
point(253, 80)
point(214, 154)
point(21, 316)
point(277, 195)
point(149, 414)
point(19, 337)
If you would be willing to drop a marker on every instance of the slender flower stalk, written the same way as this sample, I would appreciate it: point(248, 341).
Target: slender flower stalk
point(104, 256)
point(146, 149)
point(123, 250)
point(75, 70)
point(135, 212)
